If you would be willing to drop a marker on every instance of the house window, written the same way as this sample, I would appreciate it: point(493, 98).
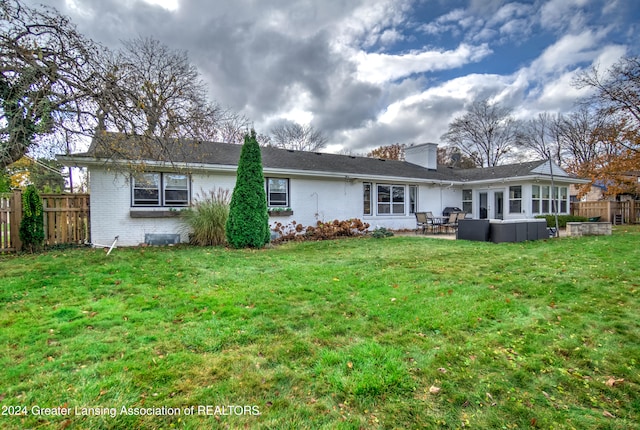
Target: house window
point(366, 197)
point(160, 189)
point(277, 192)
point(515, 199)
point(545, 199)
point(535, 199)
point(176, 190)
point(391, 199)
point(413, 199)
point(467, 201)
point(563, 199)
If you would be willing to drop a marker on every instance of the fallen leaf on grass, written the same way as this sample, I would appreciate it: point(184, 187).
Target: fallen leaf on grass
point(613, 381)
point(434, 390)
point(608, 414)
point(350, 365)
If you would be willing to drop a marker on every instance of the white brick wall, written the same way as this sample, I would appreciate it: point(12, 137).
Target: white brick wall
point(312, 199)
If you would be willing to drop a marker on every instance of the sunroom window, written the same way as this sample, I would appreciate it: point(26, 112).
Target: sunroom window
point(515, 199)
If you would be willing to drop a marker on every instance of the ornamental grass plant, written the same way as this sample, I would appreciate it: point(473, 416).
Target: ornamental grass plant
point(207, 218)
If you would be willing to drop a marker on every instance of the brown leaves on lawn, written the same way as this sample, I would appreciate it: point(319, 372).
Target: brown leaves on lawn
point(611, 382)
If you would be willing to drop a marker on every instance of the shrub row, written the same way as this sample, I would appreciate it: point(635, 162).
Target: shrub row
point(562, 219)
point(322, 231)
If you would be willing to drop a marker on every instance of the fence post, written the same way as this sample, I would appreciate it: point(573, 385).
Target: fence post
point(15, 218)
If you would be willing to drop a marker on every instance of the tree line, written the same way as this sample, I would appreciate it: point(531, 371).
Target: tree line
point(599, 140)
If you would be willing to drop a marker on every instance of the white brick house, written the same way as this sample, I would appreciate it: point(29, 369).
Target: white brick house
point(314, 186)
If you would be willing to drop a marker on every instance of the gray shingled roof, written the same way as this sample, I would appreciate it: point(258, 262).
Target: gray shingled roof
point(498, 172)
point(227, 154)
point(116, 146)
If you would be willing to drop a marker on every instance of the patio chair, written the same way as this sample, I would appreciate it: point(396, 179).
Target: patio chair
point(433, 223)
point(422, 223)
point(452, 222)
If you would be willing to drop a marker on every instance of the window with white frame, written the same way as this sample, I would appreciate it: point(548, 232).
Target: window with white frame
point(413, 199)
point(564, 191)
point(546, 200)
point(176, 189)
point(159, 189)
point(390, 199)
point(467, 201)
point(535, 199)
point(277, 192)
point(366, 198)
point(515, 199)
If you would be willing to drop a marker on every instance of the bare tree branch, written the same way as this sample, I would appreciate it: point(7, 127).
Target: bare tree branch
point(297, 137)
point(486, 133)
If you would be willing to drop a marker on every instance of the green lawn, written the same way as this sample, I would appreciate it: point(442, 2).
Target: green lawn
point(402, 332)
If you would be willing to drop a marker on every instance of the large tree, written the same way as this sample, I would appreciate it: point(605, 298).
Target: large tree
point(617, 94)
point(389, 152)
point(542, 136)
point(248, 222)
point(291, 135)
point(451, 156)
point(47, 73)
point(155, 93)
point(486, 133)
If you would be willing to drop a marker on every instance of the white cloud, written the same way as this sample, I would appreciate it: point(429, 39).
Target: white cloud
point(171, 5)
point(379, 68)
point(569, 50)
point(557, 14)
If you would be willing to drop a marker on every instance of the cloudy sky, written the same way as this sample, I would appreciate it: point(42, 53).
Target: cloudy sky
point(376, 72)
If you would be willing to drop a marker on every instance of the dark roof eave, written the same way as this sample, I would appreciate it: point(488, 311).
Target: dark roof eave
point(86, 160)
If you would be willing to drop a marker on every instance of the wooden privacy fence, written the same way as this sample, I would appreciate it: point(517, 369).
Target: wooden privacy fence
point(627, 212)
point(66, 219)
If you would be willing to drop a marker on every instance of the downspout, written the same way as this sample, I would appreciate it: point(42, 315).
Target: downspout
point(556, 201)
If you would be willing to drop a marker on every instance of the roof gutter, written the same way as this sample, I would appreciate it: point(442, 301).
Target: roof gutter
point(77, 161)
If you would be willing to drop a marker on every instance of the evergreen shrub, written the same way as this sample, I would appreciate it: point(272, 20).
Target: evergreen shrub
point(32, 225)
point(248, 222)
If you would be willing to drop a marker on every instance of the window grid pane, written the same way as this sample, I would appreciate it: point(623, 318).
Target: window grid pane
point(146, 189)
point(176, 191)
point(160, 189)
point(391, 199)
point(367, 199)
point(277, 192)
point(515, 199)
point(413, 199)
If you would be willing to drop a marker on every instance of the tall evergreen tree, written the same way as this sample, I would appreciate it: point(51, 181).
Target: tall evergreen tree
point(248, 222)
